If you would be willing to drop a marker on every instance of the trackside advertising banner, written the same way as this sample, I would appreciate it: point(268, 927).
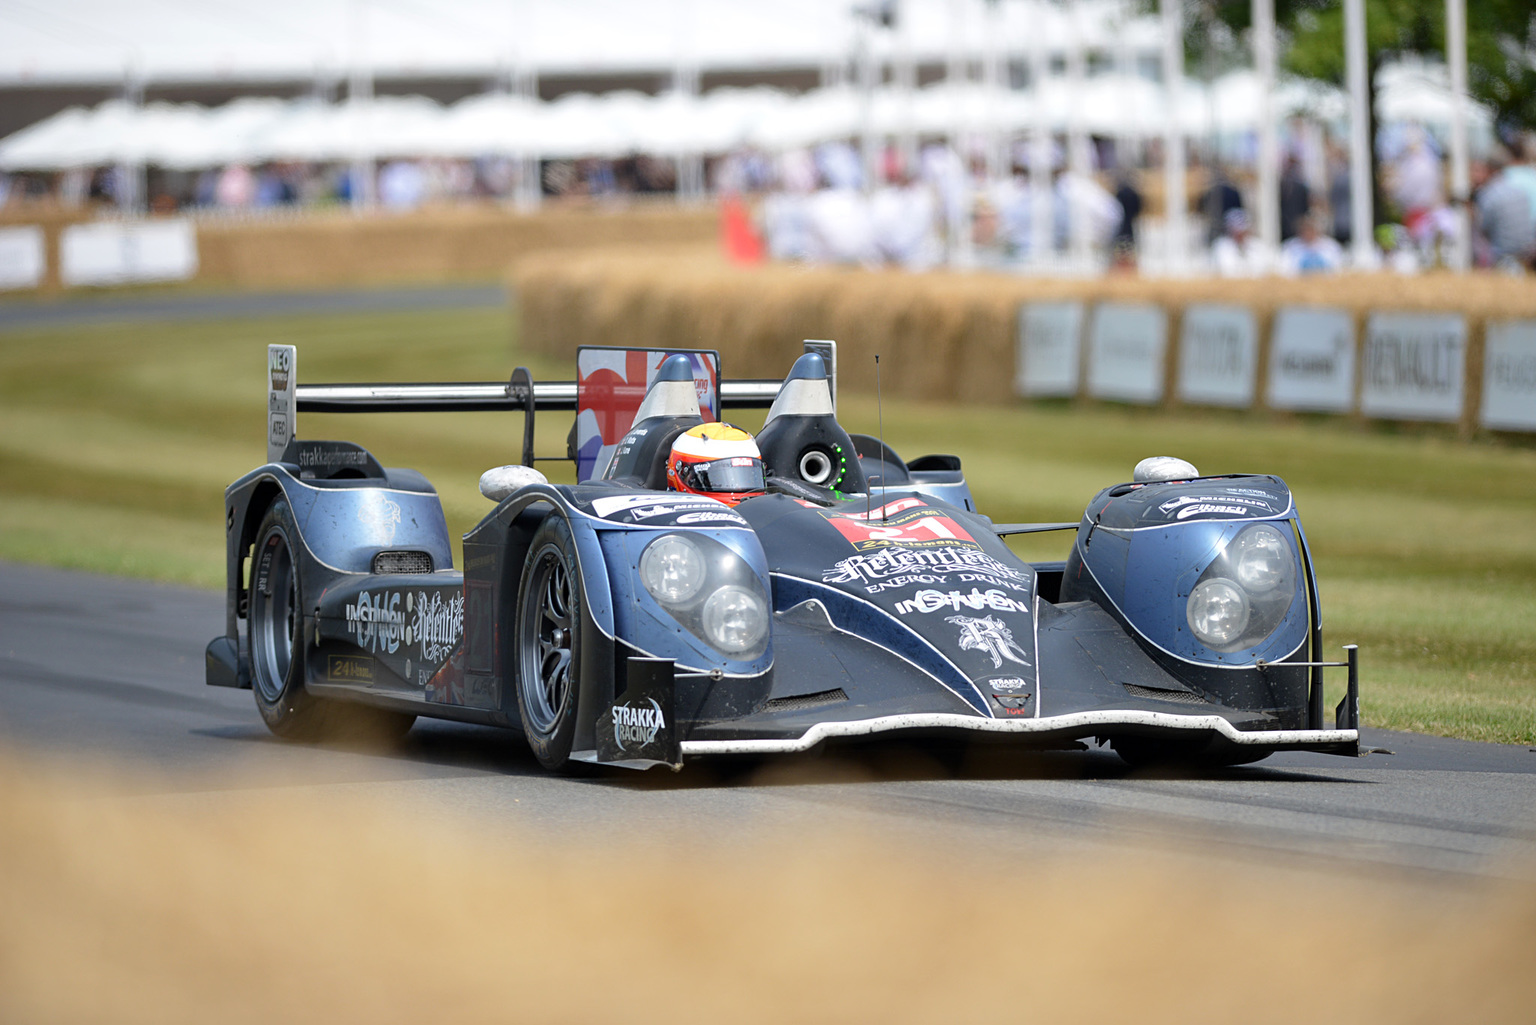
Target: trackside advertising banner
point(1126, 347)
point(23, 257)
point(1509, 376)
point(1414, 366)
point(1050, 347)
point(1218, 355)
point(116, 254)
point(1312, 360)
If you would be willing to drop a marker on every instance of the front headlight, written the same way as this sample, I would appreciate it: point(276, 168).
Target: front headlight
point(1264, 562)
point(709, 589)
point(735, 619)
point(1218, 612)
point(673, 569)
point(1244, 593)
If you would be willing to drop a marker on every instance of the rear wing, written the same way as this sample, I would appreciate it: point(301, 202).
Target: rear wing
point(286, 398)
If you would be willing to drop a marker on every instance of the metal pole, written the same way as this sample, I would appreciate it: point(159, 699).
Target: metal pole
point(1268, 198)
point(1041, 216)
point(360, 97)
point(1077, 141)
point(991, 76)
point(1461, 185)
point(1174, 187)
point(1362, 208)
point(868, 143)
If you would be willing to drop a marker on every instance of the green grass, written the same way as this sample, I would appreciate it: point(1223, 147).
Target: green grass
point(116, 443)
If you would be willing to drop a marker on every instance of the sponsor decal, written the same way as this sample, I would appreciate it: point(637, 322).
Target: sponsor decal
point(348, 669)
point(1227, 504)
point(381, 517)
point(991, 637)
point(310, 458)
point(424, 620)
point(710, 516)
point(888, 568)
point(438, 624)
point(1012, 703)
point(928, 600)
point(904, 523)
point(637, 726)
point(378, 624)
point(639, 505)
point(1007, 683)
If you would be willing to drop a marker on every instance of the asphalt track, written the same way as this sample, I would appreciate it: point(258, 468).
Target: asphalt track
point(109, 672)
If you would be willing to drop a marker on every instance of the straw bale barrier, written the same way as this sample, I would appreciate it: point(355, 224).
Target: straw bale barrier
point(941, 335)
point(442, 244)
point(316, 249)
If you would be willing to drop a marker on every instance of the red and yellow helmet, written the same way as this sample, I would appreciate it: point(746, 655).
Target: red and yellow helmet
point(720, 461)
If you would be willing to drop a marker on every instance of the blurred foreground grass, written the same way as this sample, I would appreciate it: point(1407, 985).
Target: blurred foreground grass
point(165, 902)
point(116, 443)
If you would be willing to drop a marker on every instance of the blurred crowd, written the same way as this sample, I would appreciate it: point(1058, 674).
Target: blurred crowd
point(933, 205)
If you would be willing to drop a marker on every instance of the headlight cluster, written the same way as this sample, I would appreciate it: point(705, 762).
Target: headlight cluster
point(710, 590)
point(1243, 595)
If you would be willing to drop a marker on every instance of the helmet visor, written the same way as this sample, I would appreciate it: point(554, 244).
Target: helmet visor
point(727, 476)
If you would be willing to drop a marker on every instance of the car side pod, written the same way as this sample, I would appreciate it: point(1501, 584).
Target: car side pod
point(640, 728)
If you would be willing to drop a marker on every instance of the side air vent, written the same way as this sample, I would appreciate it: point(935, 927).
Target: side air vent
point(800, 702)
point(402, 562)
point(1183, 697)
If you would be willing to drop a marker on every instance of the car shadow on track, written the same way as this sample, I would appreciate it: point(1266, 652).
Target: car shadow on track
point(480, 749)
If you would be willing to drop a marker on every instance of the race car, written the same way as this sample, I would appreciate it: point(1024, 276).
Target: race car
point(853, 595)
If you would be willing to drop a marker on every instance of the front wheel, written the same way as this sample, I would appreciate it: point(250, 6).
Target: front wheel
point(548, 636)
point(277, 650)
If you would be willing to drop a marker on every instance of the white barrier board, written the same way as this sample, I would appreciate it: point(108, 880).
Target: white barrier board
point(1218, 355)
point(1509, 375)
point(23, 257)
point(1125, 352)
point(1414, 366)
point(1312, 360)
point(118, 253)
point(1050, 346)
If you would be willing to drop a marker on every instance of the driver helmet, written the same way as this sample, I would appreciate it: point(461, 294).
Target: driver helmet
point(717, 460)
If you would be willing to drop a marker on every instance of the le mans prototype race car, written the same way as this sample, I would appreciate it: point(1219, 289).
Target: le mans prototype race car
point(614, 621)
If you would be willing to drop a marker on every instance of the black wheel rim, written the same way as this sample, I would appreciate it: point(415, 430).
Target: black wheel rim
point(275, 616)
point(546, 643)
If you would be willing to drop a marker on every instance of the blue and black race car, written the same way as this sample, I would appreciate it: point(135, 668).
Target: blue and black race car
point(614, 621)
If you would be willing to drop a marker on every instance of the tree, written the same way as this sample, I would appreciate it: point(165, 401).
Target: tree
point(1501, 46)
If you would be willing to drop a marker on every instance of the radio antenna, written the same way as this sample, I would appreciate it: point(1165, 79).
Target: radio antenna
point(880, 419)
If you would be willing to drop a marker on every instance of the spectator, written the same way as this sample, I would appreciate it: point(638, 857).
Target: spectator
point(1520, 173)
point(1338, 194)
point(1237, 254)
point(236, 187)
point(1416, 186)
point(1295, 198)
point(402, 185)
point(1505, 232)
point(1124, 240)
point(1310, 252)
point(1217, 201)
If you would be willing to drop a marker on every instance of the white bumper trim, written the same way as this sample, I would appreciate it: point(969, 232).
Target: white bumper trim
point(1052, 724)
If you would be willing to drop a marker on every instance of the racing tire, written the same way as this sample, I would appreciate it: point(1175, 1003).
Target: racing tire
point(1144, 753)
point(548, 644)
point(278, 649)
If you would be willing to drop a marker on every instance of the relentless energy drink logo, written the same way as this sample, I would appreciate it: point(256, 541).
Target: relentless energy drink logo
point(889, 568)
point(904, 523)
point(637, 727)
